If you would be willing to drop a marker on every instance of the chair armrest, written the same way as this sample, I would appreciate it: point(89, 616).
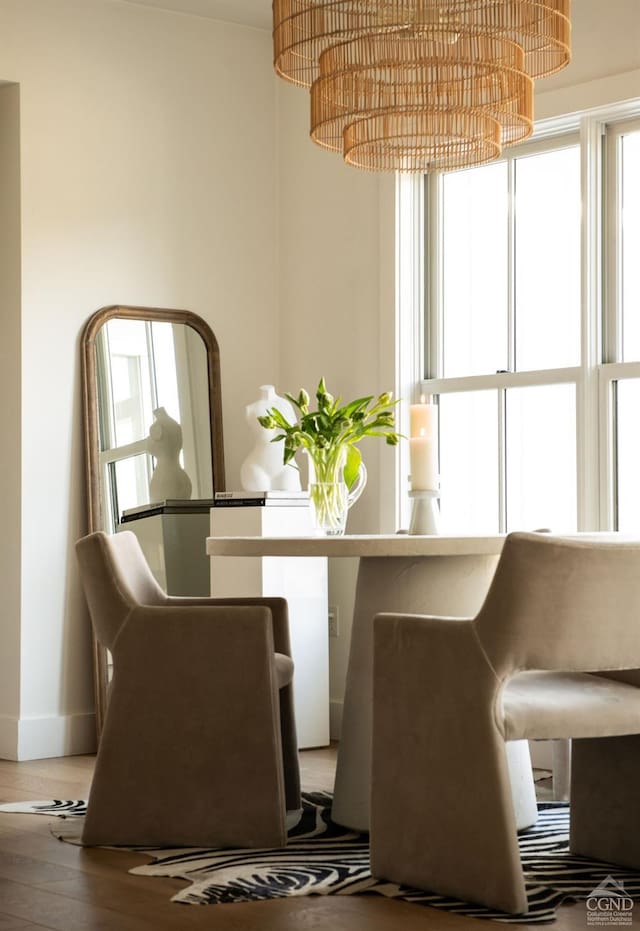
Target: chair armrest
point(231, 641)
point(436, 655)
point(278, 607)
point(408, 632)
point(433, 687)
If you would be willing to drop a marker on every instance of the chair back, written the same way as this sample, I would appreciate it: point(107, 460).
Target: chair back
point(563, 603)
point(115, 577)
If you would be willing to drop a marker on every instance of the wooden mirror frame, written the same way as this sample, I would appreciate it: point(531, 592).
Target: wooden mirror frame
point(95, 498)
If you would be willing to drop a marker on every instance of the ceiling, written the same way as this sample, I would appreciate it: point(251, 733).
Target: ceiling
point(246, 12)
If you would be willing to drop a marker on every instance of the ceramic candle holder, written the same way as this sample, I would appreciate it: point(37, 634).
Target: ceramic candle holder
point(425, 513)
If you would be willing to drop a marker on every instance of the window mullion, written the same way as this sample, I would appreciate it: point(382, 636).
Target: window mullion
point(434, 332)
point(500, 380)
point(612, 316)
point(411, 266)
point(613, 319)
point(105, 379)
point(502, 460)
point(511, 345)
point(511, 267)
point(153, 383)
point(589, 478)
point(610, 497)
point(609, 376)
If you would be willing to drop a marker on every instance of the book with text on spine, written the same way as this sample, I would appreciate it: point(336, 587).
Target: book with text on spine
point(235, 499)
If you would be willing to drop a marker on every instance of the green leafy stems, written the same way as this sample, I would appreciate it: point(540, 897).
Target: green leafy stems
point(333, 430)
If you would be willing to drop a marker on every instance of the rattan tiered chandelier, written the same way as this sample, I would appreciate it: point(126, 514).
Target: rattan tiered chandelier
point(420, 85)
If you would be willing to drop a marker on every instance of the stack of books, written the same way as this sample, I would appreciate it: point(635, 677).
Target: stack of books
point(170, 506)
point(253, 499)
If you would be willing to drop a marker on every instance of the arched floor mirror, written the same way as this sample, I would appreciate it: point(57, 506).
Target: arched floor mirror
point(141, 365)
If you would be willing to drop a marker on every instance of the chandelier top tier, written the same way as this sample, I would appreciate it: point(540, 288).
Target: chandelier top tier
point(303, 29)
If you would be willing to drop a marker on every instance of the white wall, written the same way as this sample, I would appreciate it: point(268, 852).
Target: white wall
point(10, 453)
point(148, 177)
point(605, 66)
point(605, 42)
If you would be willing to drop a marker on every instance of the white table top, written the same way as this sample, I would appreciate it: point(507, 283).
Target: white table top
point(370, 545)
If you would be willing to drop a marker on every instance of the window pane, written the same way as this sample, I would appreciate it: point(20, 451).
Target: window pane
point(469, 462)
point(126, 486)
point(475, 280)
point(130, 380)
point(132, 481)
point(547, 259)
point(541, 458)
point(165, 368)
point(630, 240)
point(628, 455)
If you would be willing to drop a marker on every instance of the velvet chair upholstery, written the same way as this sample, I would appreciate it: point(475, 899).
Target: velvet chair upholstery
point(199, 742)
point(543, 659)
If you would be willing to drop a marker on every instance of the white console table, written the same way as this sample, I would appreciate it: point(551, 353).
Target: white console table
point(439, 575)
point(303, 582)
point(171, 540)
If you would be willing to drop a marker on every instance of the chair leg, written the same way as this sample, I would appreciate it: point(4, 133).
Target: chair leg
point(605, 802)
point(441, 807)
point(460, 842)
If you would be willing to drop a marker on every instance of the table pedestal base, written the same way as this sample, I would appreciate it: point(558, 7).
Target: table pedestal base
point(453, 586)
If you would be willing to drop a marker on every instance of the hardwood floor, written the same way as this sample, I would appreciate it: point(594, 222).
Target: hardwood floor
point(46, 884)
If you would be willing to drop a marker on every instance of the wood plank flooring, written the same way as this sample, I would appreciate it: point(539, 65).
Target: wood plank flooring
point(46, 885)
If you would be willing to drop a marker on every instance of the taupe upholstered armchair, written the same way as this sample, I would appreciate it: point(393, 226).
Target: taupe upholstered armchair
point(449, 694)
point(199, 743)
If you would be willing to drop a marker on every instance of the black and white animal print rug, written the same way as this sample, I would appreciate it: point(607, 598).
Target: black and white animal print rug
point(323, 858)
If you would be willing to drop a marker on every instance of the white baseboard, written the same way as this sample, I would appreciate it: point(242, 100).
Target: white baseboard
point(41, 738)
point(335, 719)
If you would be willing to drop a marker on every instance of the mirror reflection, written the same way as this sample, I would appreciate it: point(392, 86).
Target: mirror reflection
point(153, 403)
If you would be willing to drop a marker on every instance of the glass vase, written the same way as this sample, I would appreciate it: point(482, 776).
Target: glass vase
point(329, 497)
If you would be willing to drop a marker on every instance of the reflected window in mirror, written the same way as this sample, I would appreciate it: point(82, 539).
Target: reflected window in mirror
point(142, 366)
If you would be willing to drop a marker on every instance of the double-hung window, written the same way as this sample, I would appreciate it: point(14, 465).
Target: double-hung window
point(532, 333)
point(620, 375)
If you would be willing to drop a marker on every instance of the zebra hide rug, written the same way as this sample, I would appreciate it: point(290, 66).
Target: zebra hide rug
point(323, 858)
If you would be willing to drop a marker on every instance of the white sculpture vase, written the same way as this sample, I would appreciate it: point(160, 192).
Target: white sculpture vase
point(169, 480)
point(264, 468)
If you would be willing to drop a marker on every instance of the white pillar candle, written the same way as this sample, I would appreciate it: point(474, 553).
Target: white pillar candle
point(423, 419)
point(423, 453)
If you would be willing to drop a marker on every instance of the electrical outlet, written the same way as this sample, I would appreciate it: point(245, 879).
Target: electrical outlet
point(334, 630)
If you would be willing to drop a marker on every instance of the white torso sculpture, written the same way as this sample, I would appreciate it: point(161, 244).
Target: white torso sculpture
point(169, 480)
point(264, 469)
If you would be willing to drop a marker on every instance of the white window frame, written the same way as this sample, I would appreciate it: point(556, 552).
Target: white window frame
point(595, 421)
point(613, 369)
